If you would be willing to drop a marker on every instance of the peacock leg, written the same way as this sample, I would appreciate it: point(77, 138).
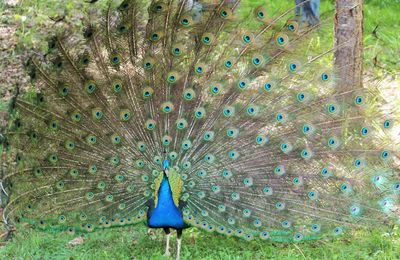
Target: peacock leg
point(178, 242)
point(168, 233)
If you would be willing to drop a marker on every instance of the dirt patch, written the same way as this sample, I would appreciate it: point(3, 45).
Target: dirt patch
point(12, 62)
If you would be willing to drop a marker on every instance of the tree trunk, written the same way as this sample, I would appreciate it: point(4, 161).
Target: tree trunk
point(349, 42)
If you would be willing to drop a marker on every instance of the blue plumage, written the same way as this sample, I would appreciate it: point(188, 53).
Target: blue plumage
point(166, 214)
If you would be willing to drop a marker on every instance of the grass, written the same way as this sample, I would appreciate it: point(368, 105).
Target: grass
point(135, 243)
point(382, 17)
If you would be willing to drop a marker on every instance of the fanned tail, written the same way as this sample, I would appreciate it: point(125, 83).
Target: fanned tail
point(266, 142)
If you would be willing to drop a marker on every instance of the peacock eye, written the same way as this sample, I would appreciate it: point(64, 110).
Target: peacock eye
point(115, 59)
point(224, 13)
point(155, 37)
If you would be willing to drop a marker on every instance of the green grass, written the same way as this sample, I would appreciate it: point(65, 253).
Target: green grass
point(385, 15)
point(134, 243)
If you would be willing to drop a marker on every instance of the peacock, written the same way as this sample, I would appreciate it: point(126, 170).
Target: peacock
point(184, 114)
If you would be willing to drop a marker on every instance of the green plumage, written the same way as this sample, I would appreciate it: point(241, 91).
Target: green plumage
point(263, 141)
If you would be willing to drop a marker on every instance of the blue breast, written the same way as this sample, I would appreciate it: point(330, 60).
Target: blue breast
point(166, 214)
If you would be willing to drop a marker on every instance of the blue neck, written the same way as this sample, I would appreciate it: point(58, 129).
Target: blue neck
point(164, 193)
point(166, 214)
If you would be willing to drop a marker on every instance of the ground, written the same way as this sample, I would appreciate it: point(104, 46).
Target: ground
point(137, 242)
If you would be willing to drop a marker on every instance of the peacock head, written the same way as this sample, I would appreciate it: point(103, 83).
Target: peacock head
point(166, 167)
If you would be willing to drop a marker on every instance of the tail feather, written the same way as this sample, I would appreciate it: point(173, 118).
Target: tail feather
point(265, 141)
